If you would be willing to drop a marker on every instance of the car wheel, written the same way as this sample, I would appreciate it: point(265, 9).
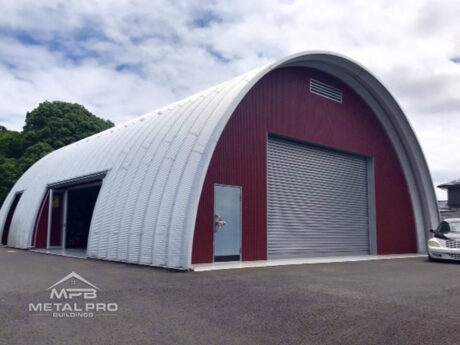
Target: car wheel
point(430, 258)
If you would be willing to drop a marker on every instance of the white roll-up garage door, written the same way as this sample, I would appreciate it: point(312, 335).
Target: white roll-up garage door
point(317, 201)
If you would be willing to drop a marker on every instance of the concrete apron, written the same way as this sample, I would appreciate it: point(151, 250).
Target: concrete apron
point(309, 261)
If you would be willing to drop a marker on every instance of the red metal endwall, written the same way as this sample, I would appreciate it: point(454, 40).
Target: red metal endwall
point(40, 235)
point(281, 103)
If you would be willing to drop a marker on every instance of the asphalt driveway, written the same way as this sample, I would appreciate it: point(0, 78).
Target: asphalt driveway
point(400, 301)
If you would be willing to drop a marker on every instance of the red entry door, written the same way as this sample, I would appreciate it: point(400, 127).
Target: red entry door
point(57, 218)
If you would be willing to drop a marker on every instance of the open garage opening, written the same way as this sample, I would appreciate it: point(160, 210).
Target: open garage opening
point(81, 202)
point(64, 219)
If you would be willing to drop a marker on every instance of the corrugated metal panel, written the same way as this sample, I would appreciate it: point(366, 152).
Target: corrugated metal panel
point(317, 201)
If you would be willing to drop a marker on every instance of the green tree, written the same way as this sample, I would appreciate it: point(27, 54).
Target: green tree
point(59, 124)
point(11, 144)
point(48, 127)
point(32, 154)
point(9, 173)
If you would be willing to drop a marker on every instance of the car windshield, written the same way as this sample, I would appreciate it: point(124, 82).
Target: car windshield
point(454, 227)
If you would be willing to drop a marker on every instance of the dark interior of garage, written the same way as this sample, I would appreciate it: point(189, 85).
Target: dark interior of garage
point(81, 202)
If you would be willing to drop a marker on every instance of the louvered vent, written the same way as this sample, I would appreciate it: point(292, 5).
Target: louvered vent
point(325, 90)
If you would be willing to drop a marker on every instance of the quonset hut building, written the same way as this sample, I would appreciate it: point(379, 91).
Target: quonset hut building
point(309, 156)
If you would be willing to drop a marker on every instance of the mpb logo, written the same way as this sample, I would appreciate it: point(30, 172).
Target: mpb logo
point(73, 296)
point(69, 293)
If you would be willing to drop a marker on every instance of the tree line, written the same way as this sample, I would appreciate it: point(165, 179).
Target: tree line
point(48, 127)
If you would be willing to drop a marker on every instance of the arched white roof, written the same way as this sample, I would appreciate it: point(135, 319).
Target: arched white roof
point(156, 166)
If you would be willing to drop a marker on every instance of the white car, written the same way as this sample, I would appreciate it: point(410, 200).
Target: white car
point(445, 244)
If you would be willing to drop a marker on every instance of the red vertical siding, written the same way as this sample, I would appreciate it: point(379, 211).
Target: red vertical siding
point(281, 103)
point(41, 224)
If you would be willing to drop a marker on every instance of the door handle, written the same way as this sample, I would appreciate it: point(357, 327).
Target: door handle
point(218, 223)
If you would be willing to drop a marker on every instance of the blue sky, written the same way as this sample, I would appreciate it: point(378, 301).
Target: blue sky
point(121, 59)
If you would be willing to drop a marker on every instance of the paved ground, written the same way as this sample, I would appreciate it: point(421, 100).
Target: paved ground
point(401, 301)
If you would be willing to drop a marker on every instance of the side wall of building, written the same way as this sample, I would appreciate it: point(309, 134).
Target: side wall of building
point(281, 103)
point(453, 196)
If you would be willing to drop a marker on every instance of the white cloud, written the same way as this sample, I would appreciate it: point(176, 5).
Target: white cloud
point(121, 59)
